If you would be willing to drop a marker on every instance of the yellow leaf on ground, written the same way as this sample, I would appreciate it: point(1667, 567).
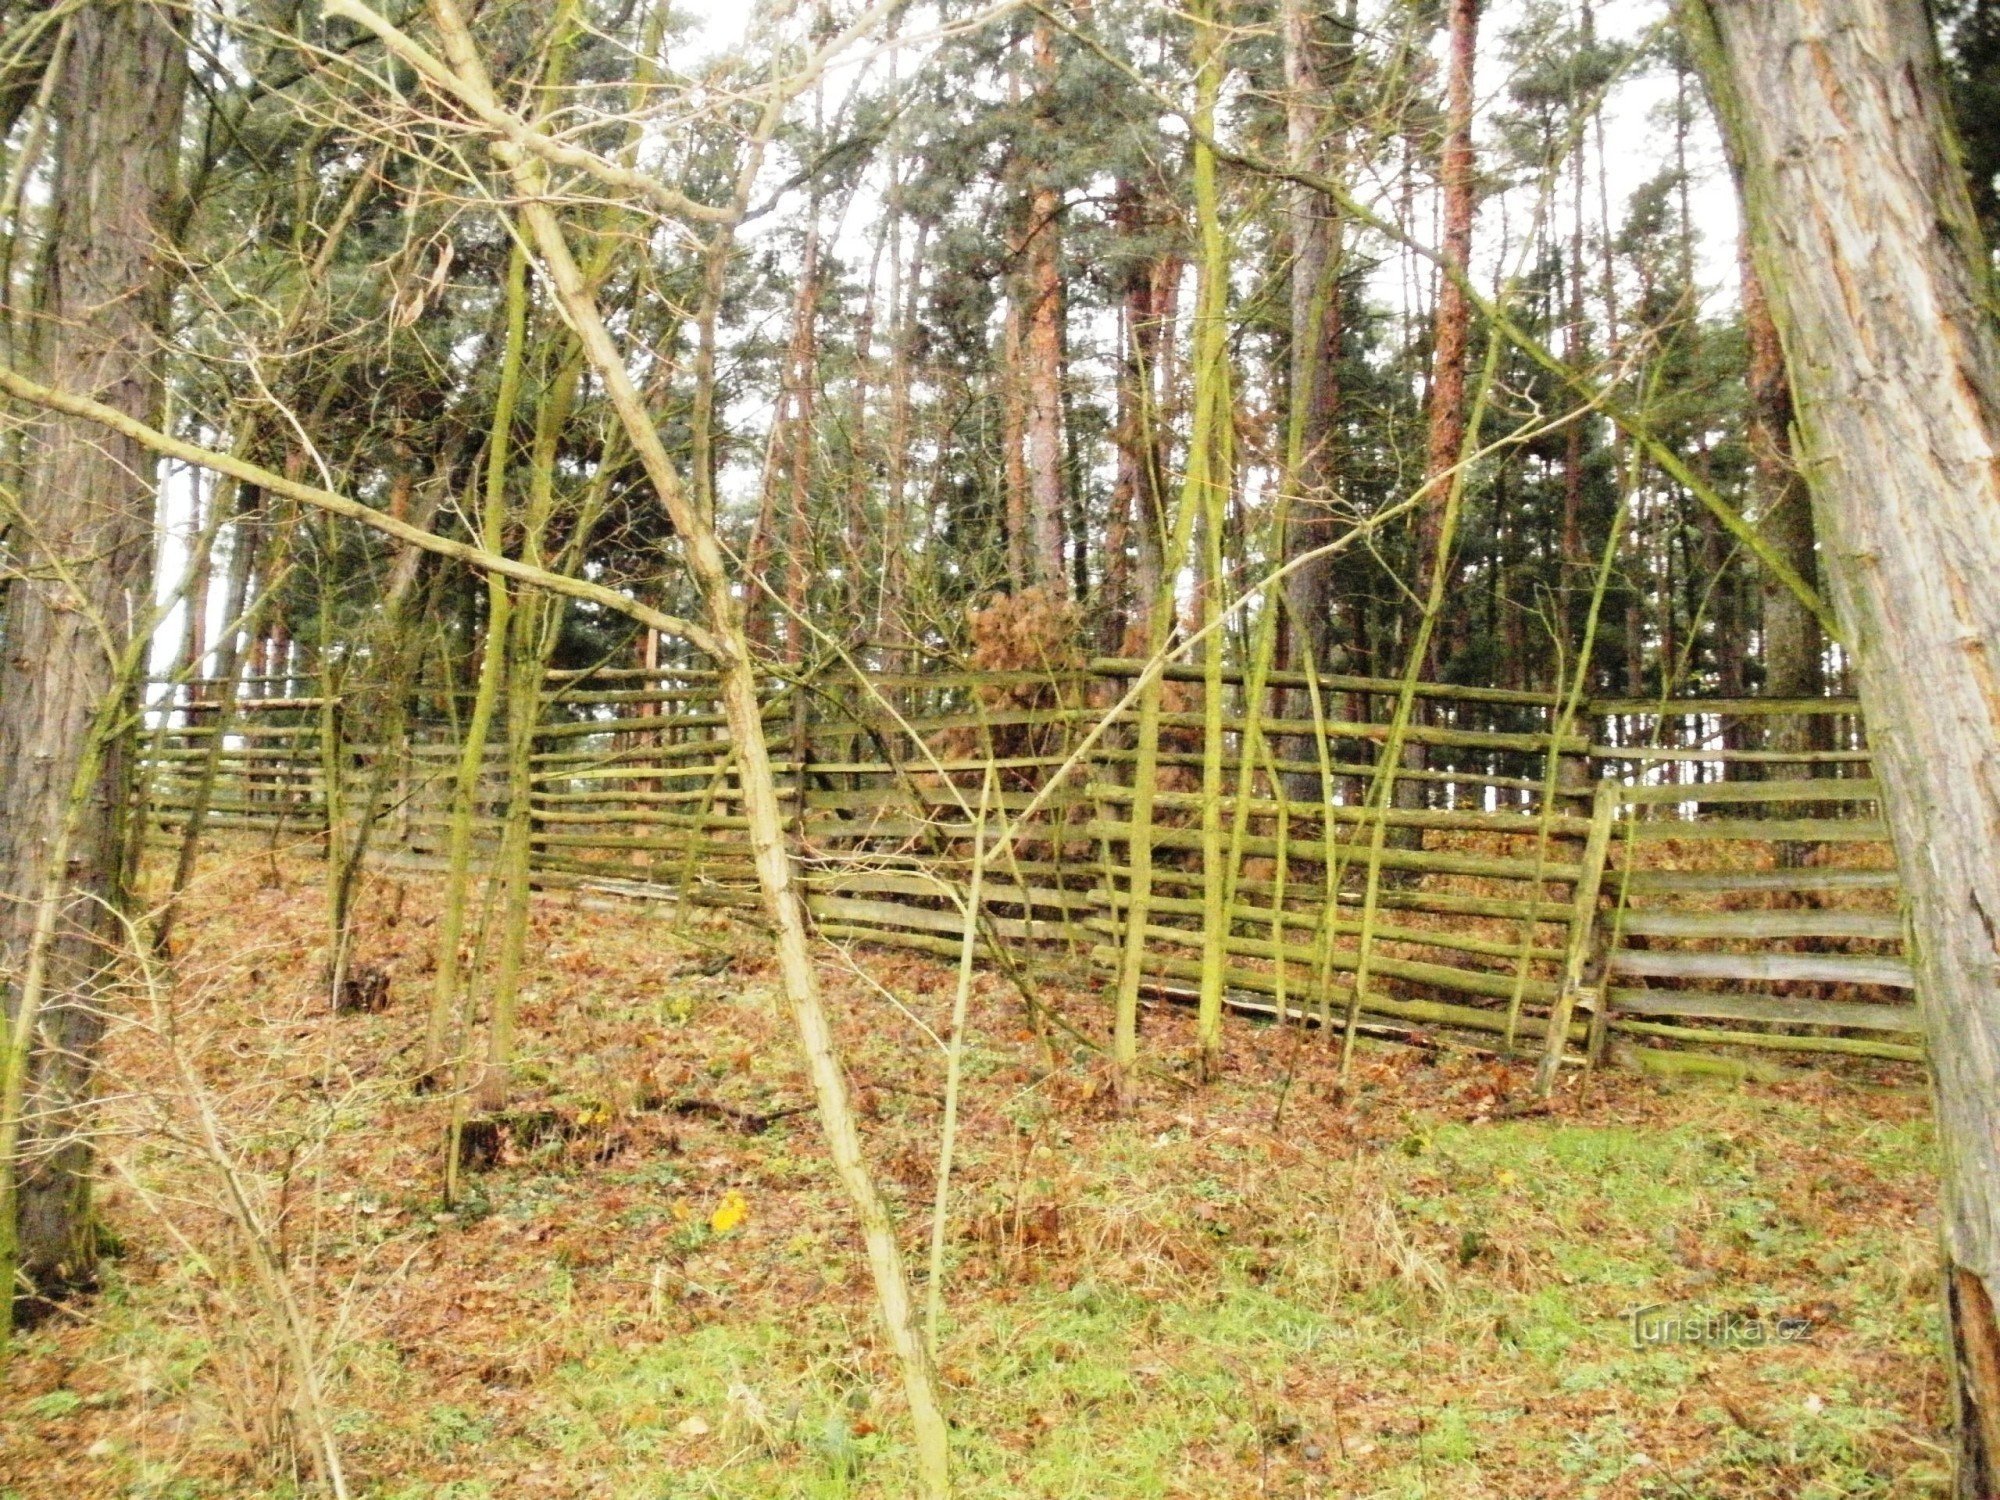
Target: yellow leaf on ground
point(729, 1213)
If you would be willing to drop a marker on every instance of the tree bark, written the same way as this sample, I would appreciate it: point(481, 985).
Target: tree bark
point(84, 550)
point(1315, 336)
point(805, 444)
point(1013, 438)
point(1452, 321)
point(1151, 288)
point(1451, 327)
point(1866, 244)
point(1044, 333)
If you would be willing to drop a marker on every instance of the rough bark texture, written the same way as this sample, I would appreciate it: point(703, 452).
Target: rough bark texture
point(1013, 437)
point(1044, 371)
point(1315, 332)
point(1151, 290)
point(85, 556)
point(798, 530)
point(1452, 324)
point(905, 292)
point(1451, 339)
point(1044, 332)
point(1866, 245)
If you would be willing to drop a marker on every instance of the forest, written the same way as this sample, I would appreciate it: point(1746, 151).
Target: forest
point(999, 747)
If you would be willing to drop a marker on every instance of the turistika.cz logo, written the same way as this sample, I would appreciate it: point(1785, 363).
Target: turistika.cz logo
point(1659, 1325)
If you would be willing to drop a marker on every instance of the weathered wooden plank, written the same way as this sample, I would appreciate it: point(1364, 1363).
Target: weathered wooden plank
point(1127, 667)
point(1525, 823)
point(1776, 1010)
point(907, 918)
point(1300, 988)
point(1493, 985)
point(1643, 882)
point(1852, 1046)
point(1309, 919)
point(1819, 789)
point(1789, 830)
point(1747, 757)
point(1805, 968)
point(1762, 924)
point(1558, 872)
point(1420, 734)
point(1446, 903)
point(1685, 708)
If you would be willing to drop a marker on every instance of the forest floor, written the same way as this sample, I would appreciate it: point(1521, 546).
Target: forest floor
point(1263, 1287)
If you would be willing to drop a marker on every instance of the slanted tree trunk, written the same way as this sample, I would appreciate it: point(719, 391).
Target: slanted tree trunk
point(1866, 245)
point(85, 555)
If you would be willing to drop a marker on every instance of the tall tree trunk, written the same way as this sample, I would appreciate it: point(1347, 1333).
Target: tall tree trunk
point(861, 575)
point(1119, 529)
point(85, 555)
point(1044, 310)
point(905, 285)
point(791, 427)
point(1452, 322)
point(1150, 291)
point(1013, 437)
point(805, 444)
point(1046, 491)
point(1313, 455)
point(1571, 561)
point(1451, 329)
point(1866, 244)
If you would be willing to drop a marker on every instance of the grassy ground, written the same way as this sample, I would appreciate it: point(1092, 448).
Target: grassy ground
point(1264, 1287)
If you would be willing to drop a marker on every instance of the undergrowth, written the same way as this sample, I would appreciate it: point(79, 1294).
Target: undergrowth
point(1422, 1288)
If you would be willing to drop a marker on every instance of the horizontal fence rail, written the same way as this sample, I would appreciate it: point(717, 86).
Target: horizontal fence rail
point(1714, 871)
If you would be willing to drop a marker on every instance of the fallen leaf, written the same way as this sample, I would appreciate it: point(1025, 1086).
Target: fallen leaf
point(731, 1212)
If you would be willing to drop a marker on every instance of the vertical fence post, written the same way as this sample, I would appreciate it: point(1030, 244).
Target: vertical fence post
point(1582, 936)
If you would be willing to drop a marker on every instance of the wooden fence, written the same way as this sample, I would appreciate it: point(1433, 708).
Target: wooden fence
point(1684, 871)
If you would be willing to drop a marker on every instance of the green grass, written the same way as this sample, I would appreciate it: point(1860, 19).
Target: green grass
point(1304, 1355)
point(1397, 1295)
